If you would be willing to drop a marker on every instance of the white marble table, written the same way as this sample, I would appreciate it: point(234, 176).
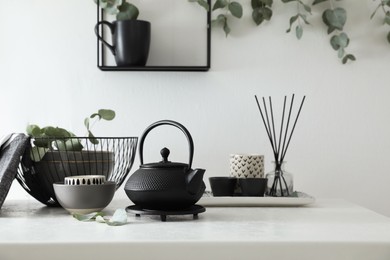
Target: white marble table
point(328, 229)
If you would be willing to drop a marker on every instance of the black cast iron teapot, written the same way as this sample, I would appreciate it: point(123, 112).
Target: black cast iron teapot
point(166, 185)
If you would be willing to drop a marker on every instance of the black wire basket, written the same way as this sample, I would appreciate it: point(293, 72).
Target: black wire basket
point(40, 167)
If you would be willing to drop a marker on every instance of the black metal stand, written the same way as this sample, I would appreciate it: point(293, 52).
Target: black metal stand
point(193, 210)
point(101, 52)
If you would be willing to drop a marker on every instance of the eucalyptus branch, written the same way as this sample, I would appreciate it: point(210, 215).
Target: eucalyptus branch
point(299, 17)
point(230, 8)
point(335, 19)
point(385, 6)
point(261, 11)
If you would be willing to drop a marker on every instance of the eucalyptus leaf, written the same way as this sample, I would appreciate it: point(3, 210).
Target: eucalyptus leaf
point(106, 114)
point(305, 6)
point(340, 52)
point(235, 9)
point(318, 1)
point(287, 1)
point(387, 18)
point(348, 57)
point(127, 11)
point(226, 28)
point(256, 4)
point(335, 19)
point(299, 31)
point(204, 4)
point(220, 4)
point(292, 20)
point(257, 16)
point(267, 2)
point(339, 41)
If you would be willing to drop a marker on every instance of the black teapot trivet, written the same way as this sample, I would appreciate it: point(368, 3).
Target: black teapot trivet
point(193, 210)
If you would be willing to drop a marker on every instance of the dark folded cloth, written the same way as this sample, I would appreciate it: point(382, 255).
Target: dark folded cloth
point(10, 156)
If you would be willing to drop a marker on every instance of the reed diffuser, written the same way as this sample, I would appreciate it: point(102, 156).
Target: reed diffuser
point(280, 182)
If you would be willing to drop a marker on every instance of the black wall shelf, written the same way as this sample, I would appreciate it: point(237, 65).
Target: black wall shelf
point(101, 50)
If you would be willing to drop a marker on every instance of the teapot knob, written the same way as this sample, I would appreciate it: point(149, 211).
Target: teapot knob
point(165, 153)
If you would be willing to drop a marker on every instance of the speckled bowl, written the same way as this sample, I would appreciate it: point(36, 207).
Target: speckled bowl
point(84, 199)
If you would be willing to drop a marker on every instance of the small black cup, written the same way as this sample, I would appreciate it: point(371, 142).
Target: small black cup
point(222, 186)
point(253, 186)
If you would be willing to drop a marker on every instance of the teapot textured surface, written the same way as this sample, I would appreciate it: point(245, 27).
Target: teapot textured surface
point(166, 185)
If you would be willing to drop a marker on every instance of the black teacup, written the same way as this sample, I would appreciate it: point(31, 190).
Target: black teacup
point(222, 186)
point(253, 186)
point(130, 41)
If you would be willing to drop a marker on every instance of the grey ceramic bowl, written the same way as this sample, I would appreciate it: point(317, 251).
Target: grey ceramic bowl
point(84, 199)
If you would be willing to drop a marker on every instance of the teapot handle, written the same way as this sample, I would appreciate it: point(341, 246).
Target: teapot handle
point(112, 29)
point(172, 123)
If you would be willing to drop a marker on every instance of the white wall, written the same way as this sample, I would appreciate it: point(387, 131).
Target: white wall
point(340, 149)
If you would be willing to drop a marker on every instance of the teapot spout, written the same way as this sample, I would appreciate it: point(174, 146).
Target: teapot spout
point(195, 180)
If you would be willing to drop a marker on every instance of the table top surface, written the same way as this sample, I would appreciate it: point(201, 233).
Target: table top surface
point(323, 221)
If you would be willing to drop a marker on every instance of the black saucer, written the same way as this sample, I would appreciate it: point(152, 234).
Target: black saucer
point(193, 210)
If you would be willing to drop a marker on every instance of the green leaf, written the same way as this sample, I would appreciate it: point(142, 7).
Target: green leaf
point(204, 4)
point(348, 57)
point(257, 16)
point(341, 52)
point(92, 138)
point(222, 19)
point(298, 31)
point(95, 115)
point(387, 18)
point(305, 6)
point(127, 11)
point(73, 144)
point(106, 114)
point(334, 19)
point(388, 37)
point(86, 122)
point(292, 20)
point(339, 41)
point(236, 9)
point(220, 4)
point(318, 1)
point(33, 130)
point(56, 132)
point(42, 141)
point(287, 1)
point(37, 153)
point(267, 2)
point(87, 217)
point(226, 28)
point(256, 4)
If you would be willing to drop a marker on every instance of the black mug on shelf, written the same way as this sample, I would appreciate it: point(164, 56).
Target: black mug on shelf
point(130, 41)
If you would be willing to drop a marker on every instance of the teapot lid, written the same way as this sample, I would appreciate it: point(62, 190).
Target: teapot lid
point(165, 163)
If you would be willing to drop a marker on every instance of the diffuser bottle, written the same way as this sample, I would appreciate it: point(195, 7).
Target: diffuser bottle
point(280, 183)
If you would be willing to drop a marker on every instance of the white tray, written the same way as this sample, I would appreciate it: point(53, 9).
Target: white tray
point(300, 199)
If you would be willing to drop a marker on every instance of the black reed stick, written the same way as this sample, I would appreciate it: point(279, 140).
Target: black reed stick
point(279, 152)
